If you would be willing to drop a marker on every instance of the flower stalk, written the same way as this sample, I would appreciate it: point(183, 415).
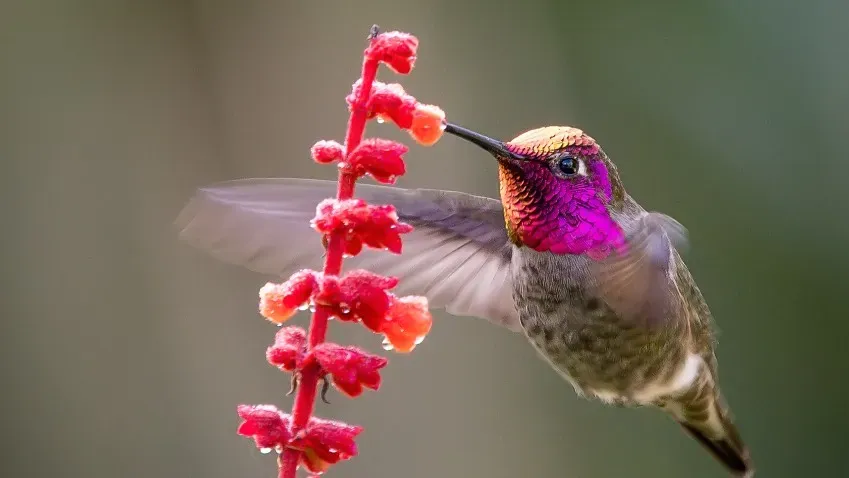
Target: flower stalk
point(346, 225)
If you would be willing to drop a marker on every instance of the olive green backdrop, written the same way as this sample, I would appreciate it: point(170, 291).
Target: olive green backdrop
point(125, 352)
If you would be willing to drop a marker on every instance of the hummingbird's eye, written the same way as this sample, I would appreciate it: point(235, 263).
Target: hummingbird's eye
point(568, 165)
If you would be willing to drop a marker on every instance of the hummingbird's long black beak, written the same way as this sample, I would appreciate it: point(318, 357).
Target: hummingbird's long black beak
point(495, 147)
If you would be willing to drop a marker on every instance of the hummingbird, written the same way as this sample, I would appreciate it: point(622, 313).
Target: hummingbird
point(565, 257)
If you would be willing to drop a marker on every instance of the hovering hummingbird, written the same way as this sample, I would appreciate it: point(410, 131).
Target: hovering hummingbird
point(566, 256)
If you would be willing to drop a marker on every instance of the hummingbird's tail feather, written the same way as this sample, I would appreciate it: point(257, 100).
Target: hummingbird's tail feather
point(701, 413)
point(728, 448)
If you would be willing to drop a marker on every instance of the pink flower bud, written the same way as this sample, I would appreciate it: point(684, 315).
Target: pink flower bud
point(377, 227)
point(321, 443)
point(380, 158)
point(279, 302)
point(265, 424)
point(407, 323)
point(327, 151)
point(288, 350)
point(386, 101)
point(397, 50)
point(324, 443)
point(360, 295)
point(350, 368)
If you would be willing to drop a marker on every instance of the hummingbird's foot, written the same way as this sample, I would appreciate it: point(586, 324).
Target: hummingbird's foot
point(325, 386)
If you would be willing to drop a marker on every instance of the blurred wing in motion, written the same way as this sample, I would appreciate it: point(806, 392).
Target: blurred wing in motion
point(458, 256)
point(638, 283)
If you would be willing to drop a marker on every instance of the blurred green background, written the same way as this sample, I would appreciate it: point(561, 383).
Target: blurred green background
point(125, 352)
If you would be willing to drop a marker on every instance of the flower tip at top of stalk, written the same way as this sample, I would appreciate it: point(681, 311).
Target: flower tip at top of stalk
point(396, 50)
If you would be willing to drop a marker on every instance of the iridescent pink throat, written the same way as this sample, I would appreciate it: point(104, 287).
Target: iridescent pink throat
point(562, 216)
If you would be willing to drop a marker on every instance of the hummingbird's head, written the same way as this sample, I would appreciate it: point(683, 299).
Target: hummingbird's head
point(558, 189)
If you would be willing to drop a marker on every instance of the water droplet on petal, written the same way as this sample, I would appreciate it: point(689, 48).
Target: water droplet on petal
point(419, 339)
point(344, 308)
point(387, 345)
point(380, 119)
point(265, 451)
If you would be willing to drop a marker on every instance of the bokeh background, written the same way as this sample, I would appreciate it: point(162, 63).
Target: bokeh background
point(125, 352)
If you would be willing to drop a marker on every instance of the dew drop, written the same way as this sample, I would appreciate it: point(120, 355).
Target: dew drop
point(332, 450)
point(387, 345)
point(265, 451)
point(344, 308)
point(380, 119)
point(419, 339)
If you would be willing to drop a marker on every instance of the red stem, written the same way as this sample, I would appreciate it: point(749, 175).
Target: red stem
point(308, 383)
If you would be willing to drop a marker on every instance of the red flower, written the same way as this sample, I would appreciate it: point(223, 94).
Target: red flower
point(279, 302)
point(350, 368)
point(267, 425)
point(321, 443)
point(327, 151)
point(380, 158)
point(425, 123)
point(324, 443)
point(407, 322)
point(360, 295)
point(397, 50)
point(363, 224)
point(387, 102)
point(428, 124)
point(290, 346)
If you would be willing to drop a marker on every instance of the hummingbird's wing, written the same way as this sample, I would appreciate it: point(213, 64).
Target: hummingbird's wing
point(639, 282)
point(458, 256)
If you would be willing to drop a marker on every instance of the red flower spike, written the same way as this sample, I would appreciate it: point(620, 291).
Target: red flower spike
point(380, 158)
point(364, 224)
point(279, 302)
point(350, 368)
point(290, 346)
point(324, 443)
point(428, 124)
point(395, 49)
point(265, 424)
point(346, 226)
point(325, 152)
point(360, 295)
point(407, 322)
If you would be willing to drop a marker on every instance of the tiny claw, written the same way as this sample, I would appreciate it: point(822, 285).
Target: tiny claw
point(325, 386)
point(294, 384)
